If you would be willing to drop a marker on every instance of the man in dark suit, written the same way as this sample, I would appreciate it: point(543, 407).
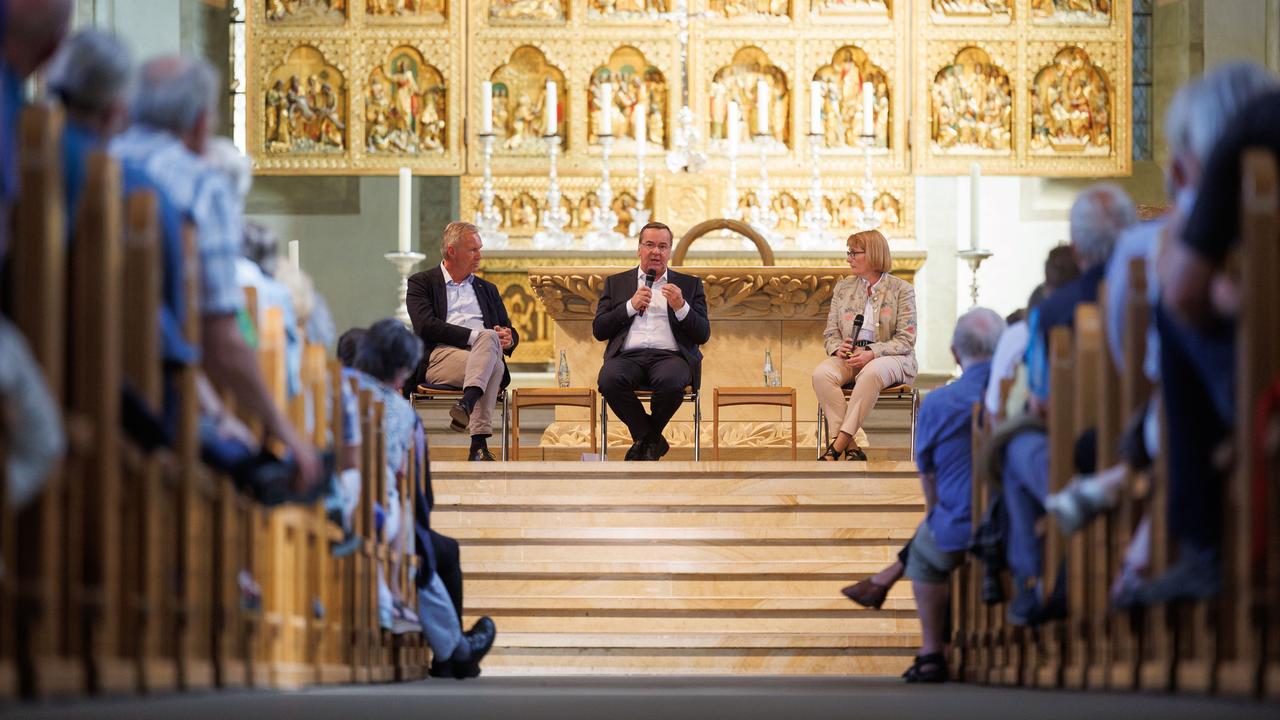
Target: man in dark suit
point(653, 334)
point(465, 332)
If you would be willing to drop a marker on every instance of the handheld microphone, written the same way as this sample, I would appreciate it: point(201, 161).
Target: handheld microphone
point(857, 328)
point(649, 277)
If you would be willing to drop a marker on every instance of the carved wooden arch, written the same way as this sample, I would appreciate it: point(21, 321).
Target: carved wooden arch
point(710, 226)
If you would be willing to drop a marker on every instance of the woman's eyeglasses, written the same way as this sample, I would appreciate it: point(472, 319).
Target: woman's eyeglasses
point(855, 253)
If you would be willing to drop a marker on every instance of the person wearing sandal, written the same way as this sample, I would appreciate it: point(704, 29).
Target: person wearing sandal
point(882, 353)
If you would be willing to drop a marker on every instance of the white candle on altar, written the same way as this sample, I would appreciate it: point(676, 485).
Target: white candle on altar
point(975, 175)
point(735, 125)
point(550, 107)
point(815, 107)
point(641, 115)
point(868, 109)
point(486, 108)
point(762, 107)
point(606, 108)
point(295, 258)
point(406, 208)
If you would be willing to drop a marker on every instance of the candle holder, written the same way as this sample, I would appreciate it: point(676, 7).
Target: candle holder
point(404, 262)
point(489, 219)
point(763, 217)
point(869, 218)
point(602, 235)
point(815, 235)
point(553, 236)
point(640, 215)
point(684, 153)
point(974, 256)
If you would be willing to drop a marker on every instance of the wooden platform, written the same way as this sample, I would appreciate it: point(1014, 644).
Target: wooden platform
point(682, 567)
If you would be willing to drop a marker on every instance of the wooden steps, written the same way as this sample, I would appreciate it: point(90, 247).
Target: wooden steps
point(680, 567)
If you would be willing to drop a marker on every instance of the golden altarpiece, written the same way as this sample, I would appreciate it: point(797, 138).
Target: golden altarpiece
point(1033, 87)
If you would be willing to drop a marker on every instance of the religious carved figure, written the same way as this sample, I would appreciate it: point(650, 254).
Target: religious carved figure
point(1071, 106)
point(635, 84)
point(842, 105)
point(537, 10)
point(404, 106)
point(971, 109)
point(739, 81)
point(788, 210)
point(852, 7)
point(424, 10)
point(519, 101)
point(624, 206)
point(889, 208)
point(971, 10)
point(305, 116)
point(848, 210)
point(1071, 12)
point(524, 211)
point(624, 9)
point(761, 9)
point(326, 11)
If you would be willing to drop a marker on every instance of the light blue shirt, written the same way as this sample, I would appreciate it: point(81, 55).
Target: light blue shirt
point(200, 194)
point(464, 306)
point(944, 448)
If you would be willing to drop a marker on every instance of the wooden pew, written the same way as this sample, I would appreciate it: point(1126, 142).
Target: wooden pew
point(1051, 650)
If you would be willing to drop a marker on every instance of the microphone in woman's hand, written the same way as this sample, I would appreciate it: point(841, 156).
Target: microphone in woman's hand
point(857, 328)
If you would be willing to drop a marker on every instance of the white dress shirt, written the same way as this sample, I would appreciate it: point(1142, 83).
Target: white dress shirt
point(463, 305)
point(1004, 362)
point(652, 331)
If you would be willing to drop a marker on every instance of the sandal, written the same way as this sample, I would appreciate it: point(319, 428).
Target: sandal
point(867, 593)
point(853, 452)
point(831, 455)
point(931, 668)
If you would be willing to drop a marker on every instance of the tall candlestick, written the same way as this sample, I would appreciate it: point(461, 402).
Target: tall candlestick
point(868, 109)
point(762, 107)
point(815, 107)
point(406, 208)
point(295, 258)
point(606, 108)
point(975, 175)
point(641, 117)
point(735, 126)
point(550, 108)
point(486, 108)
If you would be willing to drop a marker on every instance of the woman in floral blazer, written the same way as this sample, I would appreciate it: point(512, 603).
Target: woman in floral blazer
point(883, 353)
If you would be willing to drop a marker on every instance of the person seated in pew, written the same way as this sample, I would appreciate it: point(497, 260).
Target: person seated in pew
point(346, 499)
point(1197, 117)
point(174, 111)
point(657, 350)
point(881, 354)
point(944, 457)
point(1098, 216)
point(465, 332)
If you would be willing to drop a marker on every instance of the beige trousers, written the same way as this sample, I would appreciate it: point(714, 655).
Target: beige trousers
point(831, 375)
point(480, 366)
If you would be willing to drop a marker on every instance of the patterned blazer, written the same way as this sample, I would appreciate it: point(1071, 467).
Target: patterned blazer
point(893, 317)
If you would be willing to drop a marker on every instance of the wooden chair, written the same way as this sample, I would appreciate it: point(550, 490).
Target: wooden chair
point(691, 395)
point(432, 393)
point(542, 397)
point(728, 396)
point(894, 394)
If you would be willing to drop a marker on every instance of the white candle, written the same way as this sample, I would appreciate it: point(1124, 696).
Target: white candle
point(735, 125)
point(642, 115)
point(762, 107)
point(295, 258)
point(868, 109)
point(606, 107)
point(486, 107)
point(815, 107)
point(406, 207)
point(551, 105)
point(975, 175)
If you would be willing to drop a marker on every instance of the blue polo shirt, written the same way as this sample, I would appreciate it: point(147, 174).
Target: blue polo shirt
point(944, 448)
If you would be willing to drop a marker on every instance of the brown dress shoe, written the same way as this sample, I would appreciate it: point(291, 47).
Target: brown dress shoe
point(867, 593)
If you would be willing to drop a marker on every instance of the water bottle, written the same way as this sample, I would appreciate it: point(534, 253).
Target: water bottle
point(769, 374)
point(562, 371)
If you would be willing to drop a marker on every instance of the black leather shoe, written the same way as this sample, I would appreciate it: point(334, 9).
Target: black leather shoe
point(441, 669)
point(481, 454)
point(635, 451)
point(655, 449)
point(459, 417)
point(480, 639)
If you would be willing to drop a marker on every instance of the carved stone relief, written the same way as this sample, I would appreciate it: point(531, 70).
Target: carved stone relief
point(528, 10)
point(752, 9)
point(971, 109)
point(328, 12)
point(1071, 12)
point(968, 11)
point(405, 106)
point(1071, 107)
point(305, 105)
point(637, 86)
point(842, 105)
point(428, 11)
point(739, 82)
point(520, 100)
point(853, 8)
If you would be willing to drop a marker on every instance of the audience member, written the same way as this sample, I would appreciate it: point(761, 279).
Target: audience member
point(465, 331)
point(877, 354)
point(173, 112)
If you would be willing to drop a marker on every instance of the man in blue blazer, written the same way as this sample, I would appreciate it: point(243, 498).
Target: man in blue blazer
point(465, 332)
point(653, 320)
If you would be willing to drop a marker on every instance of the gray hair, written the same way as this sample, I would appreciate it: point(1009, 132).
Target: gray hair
point(976, 334)
point(91, 73)
point(1098, 216)
point(454, 232)
point(222, 155)
point(1202, 109)
point(388, 347)
point(174, 92)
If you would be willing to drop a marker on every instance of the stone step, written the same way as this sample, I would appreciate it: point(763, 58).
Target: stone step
point(900, 521)
point(653, 534)
point(685, 552)
point(899, 600)
point(737, 622)
point(540, 591)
